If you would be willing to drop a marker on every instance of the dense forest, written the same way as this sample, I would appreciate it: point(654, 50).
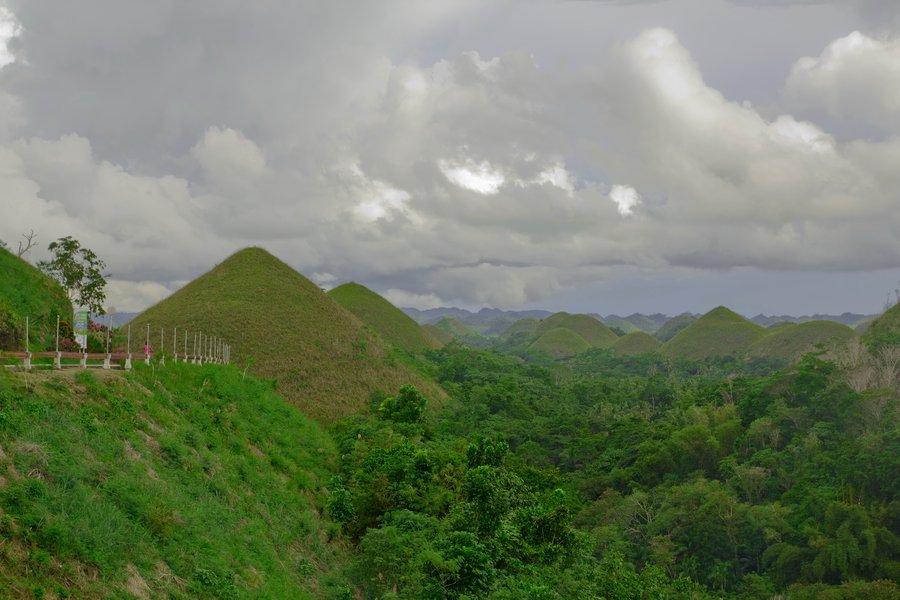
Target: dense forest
point(627, 477)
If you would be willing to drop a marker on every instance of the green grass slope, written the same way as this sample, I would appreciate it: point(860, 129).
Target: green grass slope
point(670, 328)
point(176, 482)
point(391, 323)
point(560, 343)
point(25, 291)
point(885, 330)
point(587, 327)
point(788, 343)
point(436, 333)
point(636, 342)
point(284, 326)
point(720, 332)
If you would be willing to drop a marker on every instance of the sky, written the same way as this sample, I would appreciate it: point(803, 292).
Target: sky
point(597, 156)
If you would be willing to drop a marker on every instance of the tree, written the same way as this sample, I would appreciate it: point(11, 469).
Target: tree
point(79, 271)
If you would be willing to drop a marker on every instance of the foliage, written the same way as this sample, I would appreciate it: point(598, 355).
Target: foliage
point(80, 271)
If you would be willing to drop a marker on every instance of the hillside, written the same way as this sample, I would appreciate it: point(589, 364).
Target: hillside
point(788, 343)
point(560, 343)
point(283, 326)
point(885, 330)
point(391, 323)
point(184, 482)
point(720, 332)
point(436, 333)
point(589, 328)
point(670, 328)
point(635, 343)
point(26, 292)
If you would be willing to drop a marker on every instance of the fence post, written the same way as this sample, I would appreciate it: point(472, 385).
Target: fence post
point(128, 358)
point(162, 346)
point(27, 347)
point(57, 362)
point(147, 347)
point(175, 345)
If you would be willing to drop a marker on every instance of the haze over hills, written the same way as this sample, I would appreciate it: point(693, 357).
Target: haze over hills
point(285, 327)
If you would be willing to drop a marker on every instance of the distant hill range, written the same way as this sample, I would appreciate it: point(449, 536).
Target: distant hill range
point(493, 321)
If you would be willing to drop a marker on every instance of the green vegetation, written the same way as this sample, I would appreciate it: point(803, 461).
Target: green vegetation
point(595, 333)
point(560, 343)
point(636, 342)
point(80, 271)
point(720, 332)
point(391, 323)
point(885, 330)
point(26, 292)
point(178, 481)
point(670, 328)
point(790, 342)
point(436, 333)
point(282, 326)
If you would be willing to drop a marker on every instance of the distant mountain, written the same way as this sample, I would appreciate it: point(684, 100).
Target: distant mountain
point(117, 320)
point(635, 322)
point(487, 321)
point(847, 318)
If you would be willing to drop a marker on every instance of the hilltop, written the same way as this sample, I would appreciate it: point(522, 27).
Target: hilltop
point(391, 323)
point(635, 342)
point(185, 482)
point(27, 292)
point(885, 330)
point(720, 332)
point(560, 342)
point(787, 343)
point(595, 333)
point(283, 326)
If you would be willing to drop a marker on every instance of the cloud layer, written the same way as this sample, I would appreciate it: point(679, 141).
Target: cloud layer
point(165, 139)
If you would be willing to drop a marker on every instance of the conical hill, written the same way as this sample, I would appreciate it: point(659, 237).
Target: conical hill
point(720, 332)
point(391, 323)
point(26, 292)
point(284, 327)
point(635, 342)
point(885, 330)
point(560, 343)
point(788, 343)
point(595, 333)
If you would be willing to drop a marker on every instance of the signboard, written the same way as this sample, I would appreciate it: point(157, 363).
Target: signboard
point(80, 326)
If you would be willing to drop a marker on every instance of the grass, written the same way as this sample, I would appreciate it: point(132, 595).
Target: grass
point(636, 342)
point(26, 292)
point(439, 335)
point(391, 323)
point(720, 332)
point(670, 328)
point(282, 326)
point(787, 343)
point(590, 329)
point(885, 330)
point(560, 343)
point(178, 481)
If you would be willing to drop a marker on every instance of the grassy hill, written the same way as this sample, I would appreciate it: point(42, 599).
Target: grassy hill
point(560, 343)
point(391, 323)
point(788, 343)
point(283, 326)
point(182, 482)
point(25, 291)
point(720, 332)
point(635, 343)
point(670, 328)
point(885, 330)
point(436, 333)
point(589, 328)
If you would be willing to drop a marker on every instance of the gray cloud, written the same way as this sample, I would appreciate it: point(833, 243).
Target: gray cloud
point(166, 137)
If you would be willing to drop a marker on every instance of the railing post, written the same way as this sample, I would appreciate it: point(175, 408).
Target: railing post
point(128, 358)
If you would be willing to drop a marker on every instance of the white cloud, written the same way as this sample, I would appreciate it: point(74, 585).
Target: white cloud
point(135, 296)
point(404, 299)
point(856, 77)
point(478, 177)
point(9, 28)
point(626, 199)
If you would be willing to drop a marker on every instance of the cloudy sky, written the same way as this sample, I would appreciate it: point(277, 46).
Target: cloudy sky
point(602, 156)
